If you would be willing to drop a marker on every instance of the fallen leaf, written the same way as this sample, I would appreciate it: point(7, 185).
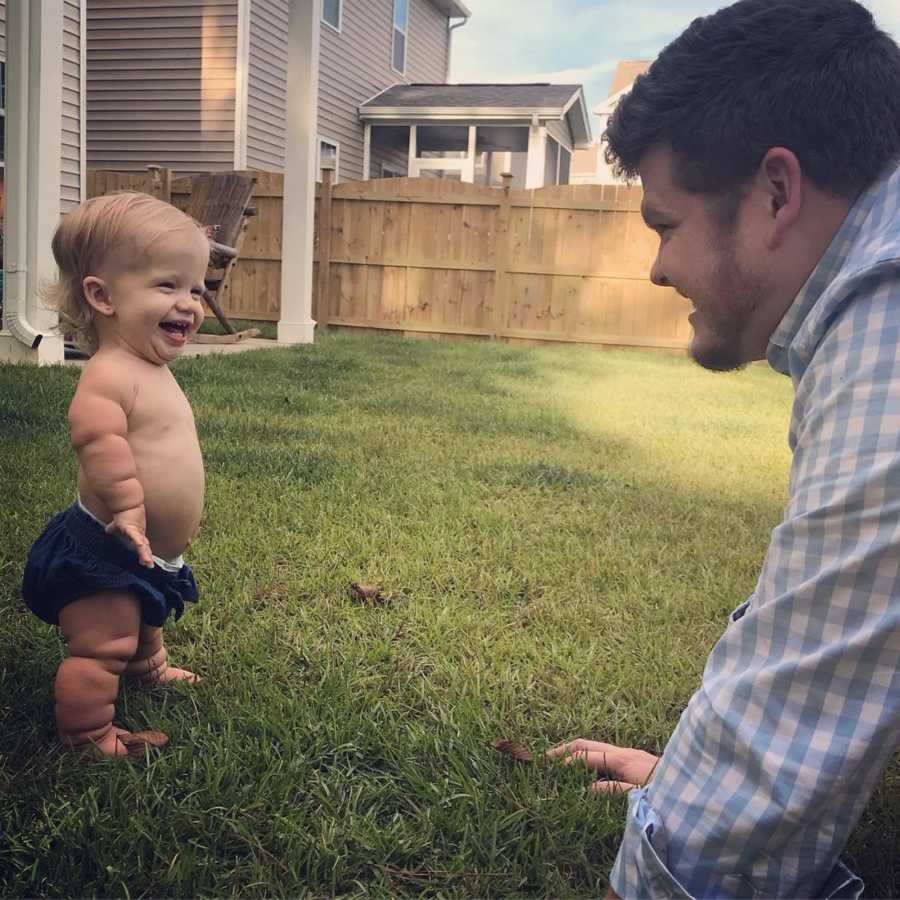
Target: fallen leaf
point(512, 749)
point(367, 594)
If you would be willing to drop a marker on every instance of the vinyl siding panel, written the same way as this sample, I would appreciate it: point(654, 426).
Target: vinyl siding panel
point(356, 64)
point(267, 84)
point(2, 30)
point(161, 84)
point(70, 147)
point(426, 52)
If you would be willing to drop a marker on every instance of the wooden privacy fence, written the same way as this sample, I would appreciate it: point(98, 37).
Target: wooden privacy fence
point(432, 256)
point(444, 258)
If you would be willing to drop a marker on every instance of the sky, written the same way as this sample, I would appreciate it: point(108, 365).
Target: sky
point(580, 41)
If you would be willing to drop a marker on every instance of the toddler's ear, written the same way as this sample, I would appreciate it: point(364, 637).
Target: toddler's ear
point(97, 295)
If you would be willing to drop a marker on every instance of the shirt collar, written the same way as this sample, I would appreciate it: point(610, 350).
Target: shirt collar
point(827, 269)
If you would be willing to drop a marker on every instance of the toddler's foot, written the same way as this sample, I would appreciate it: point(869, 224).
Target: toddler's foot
point(119, 742)
point(171, 673)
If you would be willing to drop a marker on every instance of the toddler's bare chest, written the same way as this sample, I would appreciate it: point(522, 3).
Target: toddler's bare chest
point(161, 410)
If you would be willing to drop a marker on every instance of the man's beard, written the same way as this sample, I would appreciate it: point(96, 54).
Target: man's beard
point(721, 349)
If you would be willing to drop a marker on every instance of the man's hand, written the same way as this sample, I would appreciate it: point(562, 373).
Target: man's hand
point(131, 524)
point(625, 767)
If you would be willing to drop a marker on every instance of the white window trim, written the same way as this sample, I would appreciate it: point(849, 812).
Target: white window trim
point(396, 171)
point(324, 139)
point(325, 21)
point(405, 33)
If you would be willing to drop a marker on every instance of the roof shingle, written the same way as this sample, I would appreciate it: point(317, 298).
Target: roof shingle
point(470, 96)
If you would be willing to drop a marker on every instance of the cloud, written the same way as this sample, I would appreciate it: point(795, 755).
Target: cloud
point(887, 15)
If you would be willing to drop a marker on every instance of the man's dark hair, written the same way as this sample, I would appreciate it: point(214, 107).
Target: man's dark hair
point(815, 76)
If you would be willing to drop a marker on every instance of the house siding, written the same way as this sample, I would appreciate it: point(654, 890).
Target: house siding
point(161, 84)
point(70, 146)
point(356, 64)
point(267, 84)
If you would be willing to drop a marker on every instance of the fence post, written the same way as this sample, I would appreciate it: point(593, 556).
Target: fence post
point(501, 272)
point(160, 183)
point(323, 307)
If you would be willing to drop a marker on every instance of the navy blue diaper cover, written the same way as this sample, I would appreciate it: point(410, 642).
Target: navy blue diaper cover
point(75, 557)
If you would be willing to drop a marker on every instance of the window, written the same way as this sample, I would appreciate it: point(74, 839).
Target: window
point(557, 163)
point(331, 13)
point(551, 163)
point(329, 157)
point(391, 171)
point(565, 164)
point(401, 29)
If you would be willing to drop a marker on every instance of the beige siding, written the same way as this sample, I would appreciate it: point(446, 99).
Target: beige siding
point(426, 52)
point(267, 84)
point(70, 165)
point(3, 30)
point(356, 64)
point(161, 84)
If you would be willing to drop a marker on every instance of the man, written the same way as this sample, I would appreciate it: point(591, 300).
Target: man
point(767, 137)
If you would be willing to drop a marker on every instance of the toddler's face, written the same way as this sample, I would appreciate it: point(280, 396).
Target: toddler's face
point(157, 299)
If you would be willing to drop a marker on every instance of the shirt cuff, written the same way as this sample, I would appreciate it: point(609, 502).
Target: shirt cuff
point(641, 869)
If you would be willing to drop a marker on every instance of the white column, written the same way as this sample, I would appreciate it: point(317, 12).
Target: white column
point(367, 151)
point(469, 170)
point(33, 128)
point(412, 170)
point(296, 325)
point(537, 149)
point(241, 83)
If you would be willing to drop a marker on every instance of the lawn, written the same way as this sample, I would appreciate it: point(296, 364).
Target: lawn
point(560, 534)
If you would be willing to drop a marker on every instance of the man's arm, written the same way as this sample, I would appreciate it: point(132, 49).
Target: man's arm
point(777, 754)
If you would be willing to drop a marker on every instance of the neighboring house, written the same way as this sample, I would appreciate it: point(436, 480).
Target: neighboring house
point(474, 132)
point(589, 166)
point(72, 167)
point(163, 74)
point(202, 85)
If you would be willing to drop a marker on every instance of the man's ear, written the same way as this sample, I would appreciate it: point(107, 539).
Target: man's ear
point(781, 179)
point(97, 295)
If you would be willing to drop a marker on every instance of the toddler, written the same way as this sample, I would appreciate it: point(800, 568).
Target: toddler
point(108, 570)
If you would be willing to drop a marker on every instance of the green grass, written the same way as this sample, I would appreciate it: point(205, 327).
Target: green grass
point(561, 533)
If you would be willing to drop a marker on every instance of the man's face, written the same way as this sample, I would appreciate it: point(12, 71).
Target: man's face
point(713, 261)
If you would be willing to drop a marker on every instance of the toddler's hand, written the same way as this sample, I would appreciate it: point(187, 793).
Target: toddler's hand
point(131, 524)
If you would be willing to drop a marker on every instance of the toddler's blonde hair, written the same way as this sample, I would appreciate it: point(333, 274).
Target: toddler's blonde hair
point(125, 222)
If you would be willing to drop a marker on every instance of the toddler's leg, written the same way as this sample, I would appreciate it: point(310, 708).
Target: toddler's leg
point(150, 665)
point(102, 633)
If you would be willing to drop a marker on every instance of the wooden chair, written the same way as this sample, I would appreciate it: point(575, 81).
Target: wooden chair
point(220, 203)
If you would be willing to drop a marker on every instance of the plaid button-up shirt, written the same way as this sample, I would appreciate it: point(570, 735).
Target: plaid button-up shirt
point(778, 752)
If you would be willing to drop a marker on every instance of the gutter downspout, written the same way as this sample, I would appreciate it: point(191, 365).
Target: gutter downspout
point(16, 272)
point(34, 116)
point(450, 30)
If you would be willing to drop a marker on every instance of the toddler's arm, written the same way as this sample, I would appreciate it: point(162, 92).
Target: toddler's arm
point(98, 423)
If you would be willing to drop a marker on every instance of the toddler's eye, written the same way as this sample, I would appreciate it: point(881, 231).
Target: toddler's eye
point(166, 285)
